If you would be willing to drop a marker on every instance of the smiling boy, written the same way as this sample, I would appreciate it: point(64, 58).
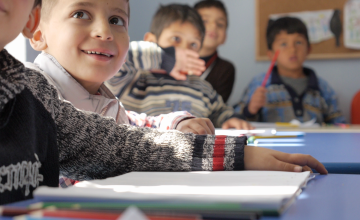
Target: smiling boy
point(91, 48)
point(292, 91)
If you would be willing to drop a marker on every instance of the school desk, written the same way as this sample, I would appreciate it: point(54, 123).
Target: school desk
point(330, 197)
point(339, 152)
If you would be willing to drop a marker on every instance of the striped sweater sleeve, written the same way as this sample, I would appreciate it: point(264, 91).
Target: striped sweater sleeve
point(142, 55)
point(162, 122)
point(94, 147)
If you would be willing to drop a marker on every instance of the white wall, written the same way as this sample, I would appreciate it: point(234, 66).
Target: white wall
point(17, 48)
point(342, 75)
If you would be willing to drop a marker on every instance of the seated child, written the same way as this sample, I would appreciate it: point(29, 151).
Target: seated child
point(42, 136)
point(153, 93)
point(292, 91)
point(79, 77)
point(219, 73)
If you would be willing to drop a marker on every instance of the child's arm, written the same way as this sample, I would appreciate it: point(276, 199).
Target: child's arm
point(181, 121)
point(94, 147)
point(332, 113)
point(143, 55)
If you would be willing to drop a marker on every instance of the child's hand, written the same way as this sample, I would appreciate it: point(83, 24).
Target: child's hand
point(196, 126)
point(187, 62)
point(258, 158)
point(237, 123)
point(258, 100)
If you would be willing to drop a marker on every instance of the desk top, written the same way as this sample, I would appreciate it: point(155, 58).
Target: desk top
point(330, 197)
point(326, 147)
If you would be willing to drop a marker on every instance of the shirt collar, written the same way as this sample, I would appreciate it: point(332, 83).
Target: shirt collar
point(313, 82)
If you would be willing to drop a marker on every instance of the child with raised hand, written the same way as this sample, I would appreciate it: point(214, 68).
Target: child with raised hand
point(219, 73)
point(292, 91)
point(42, 136)
point(178, 26)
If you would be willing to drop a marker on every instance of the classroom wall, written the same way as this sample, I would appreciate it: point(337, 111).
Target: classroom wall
point(342, 75)
point(17, 48)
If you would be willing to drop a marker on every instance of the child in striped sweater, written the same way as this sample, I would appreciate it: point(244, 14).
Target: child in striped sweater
point(178, 26)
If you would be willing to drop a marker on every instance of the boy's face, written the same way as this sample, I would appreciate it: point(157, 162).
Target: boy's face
point(178, 34)
point(293, 50)
point(215, 24)
point(89, 38)
point(14, 15)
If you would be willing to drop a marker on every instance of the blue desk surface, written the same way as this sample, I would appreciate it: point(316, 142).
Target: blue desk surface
point(327, 147)
point(339, 152)
point(330, 197)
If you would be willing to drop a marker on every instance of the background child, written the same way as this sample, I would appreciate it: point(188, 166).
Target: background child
point(56, 136)
point(175, 26)
point(219, 73)
point(292, 91)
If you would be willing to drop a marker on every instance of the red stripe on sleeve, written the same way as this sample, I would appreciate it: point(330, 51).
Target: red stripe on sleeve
point(219, 153)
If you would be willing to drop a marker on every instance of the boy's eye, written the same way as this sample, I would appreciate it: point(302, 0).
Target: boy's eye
point(176, 39)
point(219, 25)
point(283, 44)
point(81, 15)
point(194, 46)
point(299, 42)
point(116, 21)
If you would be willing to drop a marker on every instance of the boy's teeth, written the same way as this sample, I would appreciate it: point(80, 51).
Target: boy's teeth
point(94, 52)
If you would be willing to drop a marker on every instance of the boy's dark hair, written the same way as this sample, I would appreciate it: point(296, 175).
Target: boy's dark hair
point(289, 24)
point(212, 3)
point(37, 3)
point(166, 15)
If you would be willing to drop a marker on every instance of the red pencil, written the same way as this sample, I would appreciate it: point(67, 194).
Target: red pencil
point(270, 68)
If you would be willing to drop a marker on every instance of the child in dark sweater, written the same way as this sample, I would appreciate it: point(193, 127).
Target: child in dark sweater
point(42, 136)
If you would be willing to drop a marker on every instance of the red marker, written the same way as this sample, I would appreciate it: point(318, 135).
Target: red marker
point(263, 84)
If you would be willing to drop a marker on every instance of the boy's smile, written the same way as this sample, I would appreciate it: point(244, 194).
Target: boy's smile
point(293, 51)
point(89, 38)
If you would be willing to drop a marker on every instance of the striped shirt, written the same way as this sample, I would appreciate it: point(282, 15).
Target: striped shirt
point(154, 94)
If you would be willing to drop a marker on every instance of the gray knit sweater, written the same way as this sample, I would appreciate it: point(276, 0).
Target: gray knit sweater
point(94, 147)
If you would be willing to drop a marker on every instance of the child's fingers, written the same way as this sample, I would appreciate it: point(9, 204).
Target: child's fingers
point(306, 168)
point(210, 125)
point(201, 129)
point(177, 75)
point(287, 167)
point(302, 160)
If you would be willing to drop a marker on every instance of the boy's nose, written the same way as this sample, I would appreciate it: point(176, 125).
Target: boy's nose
point(103, 32)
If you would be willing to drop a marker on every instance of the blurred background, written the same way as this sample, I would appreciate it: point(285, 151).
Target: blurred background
point(342, 74)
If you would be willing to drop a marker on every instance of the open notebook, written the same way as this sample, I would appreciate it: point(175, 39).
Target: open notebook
point(261, 191)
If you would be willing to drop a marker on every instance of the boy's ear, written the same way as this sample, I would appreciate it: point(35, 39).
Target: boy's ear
point(225, 38)
point(150, 37)
point(309, 50)
point(38, 42)
point(270, 54)
point(33, 22)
